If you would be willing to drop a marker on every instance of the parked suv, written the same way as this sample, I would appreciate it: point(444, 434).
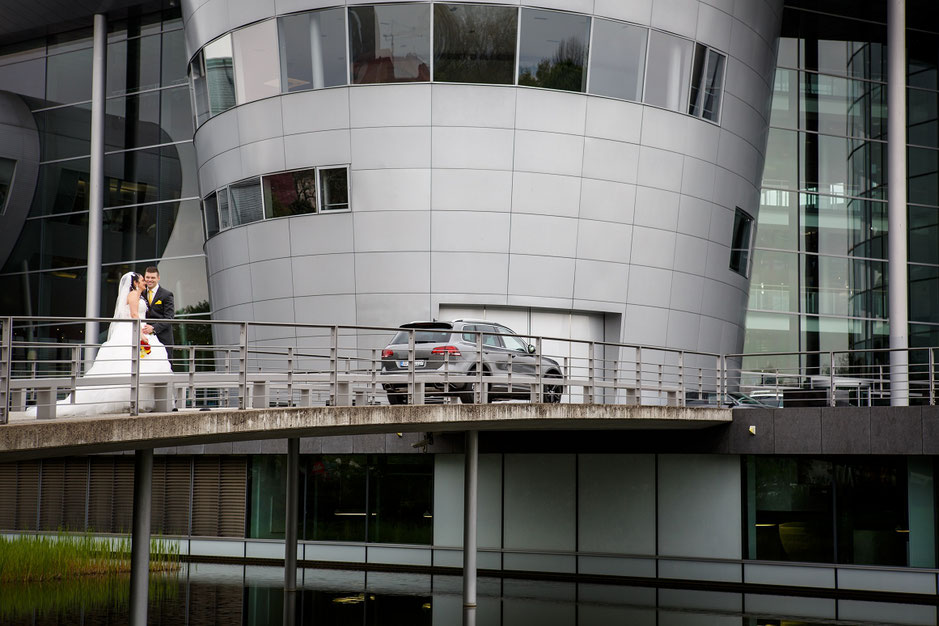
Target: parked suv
point(455, 343)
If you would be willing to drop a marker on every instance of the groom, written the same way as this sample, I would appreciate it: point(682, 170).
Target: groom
point(159, 303)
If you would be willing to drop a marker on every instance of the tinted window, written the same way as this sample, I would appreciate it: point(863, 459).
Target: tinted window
point(246, 204)
point(668, 71)
point(200, 94)
point(707, 77)
point(224, 215)
point(740, 243)
point(292, 193)
point(335, 185)
point(390, 43)
point(256, 62)
point(617, 59)
point(312, 50)
point(7, 166)
point(421, 336)
point(68, 77)
point(219, 75)
point(210, 211)
point(553, 50)
point(474, 44)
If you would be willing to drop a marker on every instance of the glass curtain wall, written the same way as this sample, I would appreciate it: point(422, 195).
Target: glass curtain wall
point(819, 277)
point(150, 194)
point(378, 498)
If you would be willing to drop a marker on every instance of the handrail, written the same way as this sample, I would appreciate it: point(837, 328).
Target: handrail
point(296, 364)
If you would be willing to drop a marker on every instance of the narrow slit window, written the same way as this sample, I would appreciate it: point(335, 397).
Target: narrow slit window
point(741, 242)
point(334, 183)
point(210, 212)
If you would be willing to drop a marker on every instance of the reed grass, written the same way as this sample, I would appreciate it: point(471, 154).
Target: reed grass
point(37, 558)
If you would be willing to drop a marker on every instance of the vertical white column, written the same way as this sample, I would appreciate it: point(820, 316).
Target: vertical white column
point(470, 482)
point(317, 62)
point(896, 203)
point(96, 181)
point(140, 539)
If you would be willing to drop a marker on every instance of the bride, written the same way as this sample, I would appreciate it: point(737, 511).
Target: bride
point(115, 357)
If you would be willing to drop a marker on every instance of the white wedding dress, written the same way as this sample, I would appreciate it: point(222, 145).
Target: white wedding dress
point(115, 358)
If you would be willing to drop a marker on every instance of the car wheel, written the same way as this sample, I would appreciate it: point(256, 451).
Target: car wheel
point(553, 393)
point(469, 396)
point(397, 397)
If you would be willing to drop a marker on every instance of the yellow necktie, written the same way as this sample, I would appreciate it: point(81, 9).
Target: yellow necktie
point(149, 296)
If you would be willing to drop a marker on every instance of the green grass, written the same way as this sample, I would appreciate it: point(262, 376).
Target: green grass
point(37, 558)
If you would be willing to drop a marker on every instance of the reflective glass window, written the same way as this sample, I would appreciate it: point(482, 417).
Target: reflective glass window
point(173, 59)
point(842, 46)
point(268, 497)
point(924, 235)
point(871, 511)
point(62, 187)
point(200, 93)
point(839, 106)
point(401, 498)
point(175, 115)
point(256, 62)
point(291, 193)
point(133, 65)
point(707, 79)
point(774, 281)
point(133, 121)
point(246, 202)
point(923, 173)
point(782, 152)
point(668, 71)
point(224, 214)
point(922, 59)
point(785, 107)
point(924, 293)
point(617, 59)
point(390, 43)
point(312, 50)
point(778, 222)
point(132, 233)
point(841, 166)
point(740, 242)
point(64, 132)
point(336, 504)
point(843, 226)
point(176, 181)
point(843, 286)
point(553, 50)
point(219, 75)
point(923, 118)
point(25, 253)
point(132, 177)
point(7, 167)
point(475, 43)
point(770, 332)
point(335, 185)
point(210, 215)
point(68, 77)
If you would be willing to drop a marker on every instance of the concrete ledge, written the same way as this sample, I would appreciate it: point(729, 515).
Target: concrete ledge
point(65, 436)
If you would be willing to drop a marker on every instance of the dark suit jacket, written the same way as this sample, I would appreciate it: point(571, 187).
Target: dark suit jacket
point(162, 308)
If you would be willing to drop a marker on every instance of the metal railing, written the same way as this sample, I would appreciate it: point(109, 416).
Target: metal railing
point(44, 371)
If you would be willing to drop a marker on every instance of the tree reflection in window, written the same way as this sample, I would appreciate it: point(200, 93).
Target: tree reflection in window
point(475, 44)
point(553, 50)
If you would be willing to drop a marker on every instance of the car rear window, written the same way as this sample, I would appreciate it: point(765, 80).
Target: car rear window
point(422, 336)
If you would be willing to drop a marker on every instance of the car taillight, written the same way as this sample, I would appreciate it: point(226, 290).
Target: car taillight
point(387, 353)
point(451, 350)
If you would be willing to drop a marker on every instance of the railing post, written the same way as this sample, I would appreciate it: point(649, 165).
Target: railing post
point(290, 376)
point(134, 371)
point(589, 395)
point(721, 379)
point(75, 368)
point(243, 367)
point(831, 378)
point(932, 376)
point(480, 396)
point(539, 372)
point(192, 376)
point(411, 356)
point(6, 367)
point(681, 378)
point(334, 366)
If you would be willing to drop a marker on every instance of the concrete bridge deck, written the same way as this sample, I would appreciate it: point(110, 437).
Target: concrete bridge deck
point(31, 438)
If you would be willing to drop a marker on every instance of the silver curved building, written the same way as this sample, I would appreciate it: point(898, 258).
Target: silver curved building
point(570, 167)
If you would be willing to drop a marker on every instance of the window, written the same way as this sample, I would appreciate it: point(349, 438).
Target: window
point(668, 71)
point(706, 77)
point(335, 185)
point(7, 167)
point(740, 243)
point(200, 94)
point(617, 59)
point(390, 43)
point(210, 213)
point(246, 204)
point(553, 50)
point(516, 344)
point(292, 193)
point(224, 215)
point(312, 50)
point(474, 43)
point(255, 62)
point(219, 75)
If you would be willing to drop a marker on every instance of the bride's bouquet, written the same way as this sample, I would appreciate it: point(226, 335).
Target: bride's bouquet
point(144, 348)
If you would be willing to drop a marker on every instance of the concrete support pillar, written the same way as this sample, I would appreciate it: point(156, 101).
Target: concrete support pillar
point(290, 524)
point(99, 71)
point(470, 484)
point(896, 203)
point(140, 539)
